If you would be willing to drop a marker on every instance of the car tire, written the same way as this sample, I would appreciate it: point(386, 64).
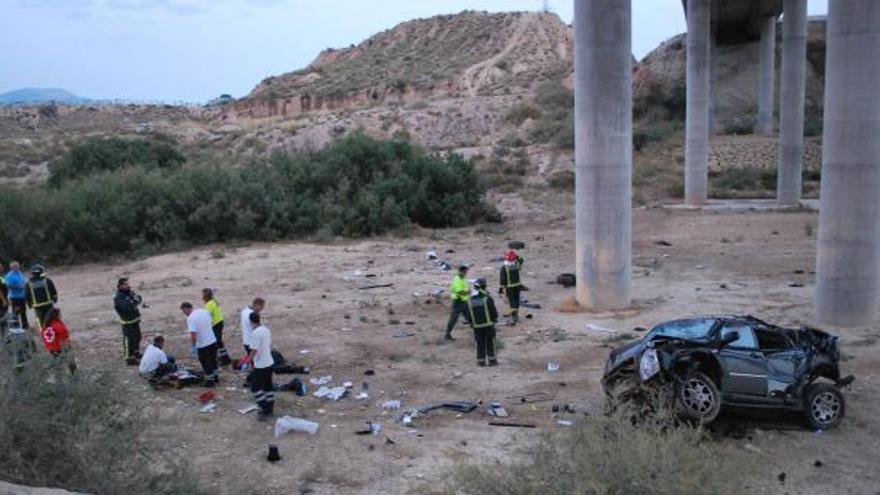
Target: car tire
point(697, 398)
point(824, 406)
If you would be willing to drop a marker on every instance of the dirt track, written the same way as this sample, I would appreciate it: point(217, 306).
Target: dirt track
point(718, 262)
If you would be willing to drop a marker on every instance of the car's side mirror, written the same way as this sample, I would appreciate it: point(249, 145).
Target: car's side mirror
point(729, 339)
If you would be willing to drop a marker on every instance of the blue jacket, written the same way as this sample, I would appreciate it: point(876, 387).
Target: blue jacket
point(16, 283)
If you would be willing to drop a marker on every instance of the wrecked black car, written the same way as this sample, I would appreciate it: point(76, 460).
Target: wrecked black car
point(702, 364)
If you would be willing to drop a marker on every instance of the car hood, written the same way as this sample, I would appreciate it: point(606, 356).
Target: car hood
point(624, 353)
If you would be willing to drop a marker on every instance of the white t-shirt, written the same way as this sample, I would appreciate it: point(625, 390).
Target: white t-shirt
point(152, 358)
point(247, 328)
point(261, 342)
point(199, 323)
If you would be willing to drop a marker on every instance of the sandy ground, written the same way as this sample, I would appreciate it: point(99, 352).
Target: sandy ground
point(736, 262)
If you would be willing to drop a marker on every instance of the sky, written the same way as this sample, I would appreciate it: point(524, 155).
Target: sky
point(194, 50)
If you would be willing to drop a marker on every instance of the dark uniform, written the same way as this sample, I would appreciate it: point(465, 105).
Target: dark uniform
point(511, 285)
point(42, 296)
point(126, 304)
point(482, 315)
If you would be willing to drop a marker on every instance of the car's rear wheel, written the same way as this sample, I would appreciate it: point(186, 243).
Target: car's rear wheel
point(825, 406)
point(698, 398)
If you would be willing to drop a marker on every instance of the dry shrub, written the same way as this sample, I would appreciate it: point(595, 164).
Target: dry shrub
point(613, 454)
point(84, 432)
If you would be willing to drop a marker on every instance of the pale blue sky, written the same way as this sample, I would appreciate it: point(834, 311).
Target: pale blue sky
point(193, 50)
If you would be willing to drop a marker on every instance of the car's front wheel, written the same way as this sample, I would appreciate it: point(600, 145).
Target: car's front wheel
point(698, 398)
point(825, 406)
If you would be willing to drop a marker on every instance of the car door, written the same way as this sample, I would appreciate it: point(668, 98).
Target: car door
point(744, 369)
point(785, 363)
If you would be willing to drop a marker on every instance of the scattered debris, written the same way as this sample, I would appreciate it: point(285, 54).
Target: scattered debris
point(566, 280)
point(377, 286)
point(333, 394)
point(402, 334)
point(533, 397)
point(362, 396)
point(512, 425)
point(208, 408)
point(781, 478)
point(516, 245)
point(347, 384)
point(391, 405)
point(249, 409)
point(796, 284)
point(207, 396)
point(285, 424)
point(375, 428)
point(495, 409)
point(564, 422)
point(370, 372)
point(597, 328)
point(273, 456)
point(296, 386)
point(531, 305)
point(552, 366)
point(431, 255)
point(324, 380)
point(663, 243)
point(389, 441)
point(817, 464)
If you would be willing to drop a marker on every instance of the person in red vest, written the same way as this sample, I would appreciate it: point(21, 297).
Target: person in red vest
point(56, 338)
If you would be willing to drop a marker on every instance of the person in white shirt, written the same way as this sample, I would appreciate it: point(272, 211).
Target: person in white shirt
point(261, 357)
point(155, 364)
point(247, 328)
point(203, 341)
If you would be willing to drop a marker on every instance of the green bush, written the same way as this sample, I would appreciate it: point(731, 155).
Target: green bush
point(563, 180)
point(613, 454)
point(521, 112)
point(740, 127)
point(356, 187)
point(745, 182)
point(87, 432)
point(556, 125)
point(107, 154)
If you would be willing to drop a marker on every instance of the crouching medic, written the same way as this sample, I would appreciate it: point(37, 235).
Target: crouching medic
point(482, 316)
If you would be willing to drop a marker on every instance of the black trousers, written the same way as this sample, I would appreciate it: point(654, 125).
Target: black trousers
point(263, 389)
point(458, 309)
point(222, 353)
point(41, 313)
point(513, 296)
point(131, 339)
point(19, 308)
point(485, 339)
point(208, 360)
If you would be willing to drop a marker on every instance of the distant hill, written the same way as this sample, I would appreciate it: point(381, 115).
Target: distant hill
point(30, 96)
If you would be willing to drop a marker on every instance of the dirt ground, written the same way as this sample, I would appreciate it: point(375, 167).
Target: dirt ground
point(730, 262)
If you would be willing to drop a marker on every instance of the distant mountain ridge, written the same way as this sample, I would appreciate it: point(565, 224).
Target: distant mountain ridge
point(30, 96)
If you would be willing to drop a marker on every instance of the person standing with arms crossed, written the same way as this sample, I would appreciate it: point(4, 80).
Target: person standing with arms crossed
point(203, 342)
point(126, 303)
point(213, 308)
point(460, 291)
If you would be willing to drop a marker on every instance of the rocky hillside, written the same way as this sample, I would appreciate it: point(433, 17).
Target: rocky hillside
point(468, 54)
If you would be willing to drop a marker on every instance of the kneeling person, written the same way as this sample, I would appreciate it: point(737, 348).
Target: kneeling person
point(155, 364)
point(260, 355)
point(481, 314)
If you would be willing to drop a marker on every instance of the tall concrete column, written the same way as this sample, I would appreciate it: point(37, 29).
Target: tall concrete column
point(848, 259)
point(713, 49)
point(791, 104)
point(696, 155)
point(766, 77)
point(603, 152)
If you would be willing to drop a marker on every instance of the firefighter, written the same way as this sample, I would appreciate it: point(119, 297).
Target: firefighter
point(481, 314)
point(41, 292)
point(511, 284)
point(213, 308)
point(460, 291)
point(126, 303)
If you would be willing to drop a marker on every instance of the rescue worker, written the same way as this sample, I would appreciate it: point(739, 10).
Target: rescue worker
point(56, 338)
point(203, 343)
point(511, 284)
point(247, 328)
point(260, 356)
point(126, 304)
point(481, 315)
point(41, 293)
point(16, 285)
point(460, 292)
point(213, 308)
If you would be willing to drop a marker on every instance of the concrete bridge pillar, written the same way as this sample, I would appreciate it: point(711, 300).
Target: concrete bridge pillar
point(603, 152)
point(848, 258)
point(696, 159)
point(766, 78)
point(791, 108)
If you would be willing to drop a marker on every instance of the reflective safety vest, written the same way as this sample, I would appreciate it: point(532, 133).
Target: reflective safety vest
point(511, 279)
point(479, 313)
point(42, 287)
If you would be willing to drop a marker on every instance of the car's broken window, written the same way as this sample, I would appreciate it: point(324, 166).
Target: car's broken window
point(746, 339)
point(771, 340)
point(697, 328)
